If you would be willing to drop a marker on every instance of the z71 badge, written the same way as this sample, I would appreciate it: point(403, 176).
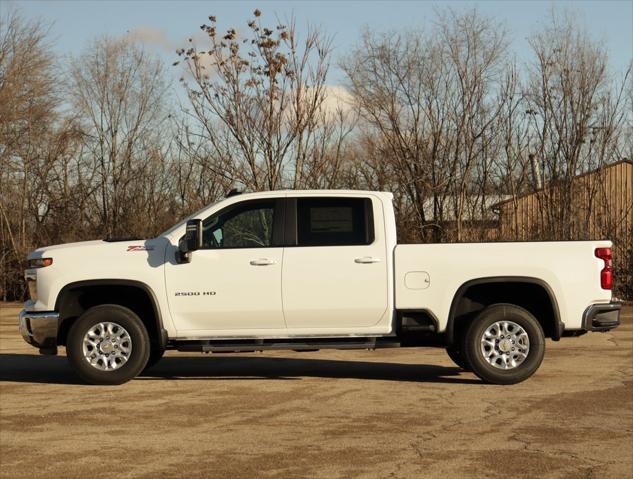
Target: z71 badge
point(140, 248)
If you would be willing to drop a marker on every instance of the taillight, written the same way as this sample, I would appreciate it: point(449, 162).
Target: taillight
point(606, 275)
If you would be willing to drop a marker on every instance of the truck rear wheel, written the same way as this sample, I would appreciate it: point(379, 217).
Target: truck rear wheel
point(458, 357)
point(108, 344)
point(504, 344)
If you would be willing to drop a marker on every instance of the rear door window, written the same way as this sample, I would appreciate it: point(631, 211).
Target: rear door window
point(334, 221)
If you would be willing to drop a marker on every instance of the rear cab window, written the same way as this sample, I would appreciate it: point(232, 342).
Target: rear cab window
point(334, 221)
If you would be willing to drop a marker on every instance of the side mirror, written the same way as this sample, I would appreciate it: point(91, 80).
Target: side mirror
point(192, 240)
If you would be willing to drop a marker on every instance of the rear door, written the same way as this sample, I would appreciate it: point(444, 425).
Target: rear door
point(334, 269)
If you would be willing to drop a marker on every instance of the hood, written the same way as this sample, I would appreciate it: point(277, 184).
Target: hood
point(109, 245)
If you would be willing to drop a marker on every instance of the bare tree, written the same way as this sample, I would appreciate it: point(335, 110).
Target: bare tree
point(200, 178)
point(430, 98)
point(28, 99)
point(257, 103)
point(118, 96)
point(575, 118)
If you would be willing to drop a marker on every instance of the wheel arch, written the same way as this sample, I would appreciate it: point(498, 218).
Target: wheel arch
point(76, 297)
point(482, 288)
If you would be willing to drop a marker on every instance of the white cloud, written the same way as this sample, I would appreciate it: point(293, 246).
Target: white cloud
point(337, 98)
point(151, 36)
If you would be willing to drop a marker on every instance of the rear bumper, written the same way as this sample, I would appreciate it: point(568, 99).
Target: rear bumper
point(39, 328)
point(601, 317)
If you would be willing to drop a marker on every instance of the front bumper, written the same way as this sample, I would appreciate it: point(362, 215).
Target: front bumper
point(601, 317)
point(39, 328)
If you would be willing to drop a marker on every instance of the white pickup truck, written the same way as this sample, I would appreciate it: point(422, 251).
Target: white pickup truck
point(307, 270)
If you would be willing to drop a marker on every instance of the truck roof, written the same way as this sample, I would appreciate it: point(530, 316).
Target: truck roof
point(384, 194)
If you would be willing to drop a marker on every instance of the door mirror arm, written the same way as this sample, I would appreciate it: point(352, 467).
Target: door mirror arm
point(191, 242)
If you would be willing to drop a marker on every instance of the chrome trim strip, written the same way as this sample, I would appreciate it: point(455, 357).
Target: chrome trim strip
point(39, 328)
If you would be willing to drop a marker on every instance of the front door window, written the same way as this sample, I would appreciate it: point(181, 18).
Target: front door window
point(248, 225)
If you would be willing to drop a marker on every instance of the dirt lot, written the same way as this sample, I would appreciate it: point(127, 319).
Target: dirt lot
point(388, 413)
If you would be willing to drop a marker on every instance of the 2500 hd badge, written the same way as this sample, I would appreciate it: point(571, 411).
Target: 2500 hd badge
point(194, 293)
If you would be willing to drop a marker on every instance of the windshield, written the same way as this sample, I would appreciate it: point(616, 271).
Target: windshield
point(180, 223)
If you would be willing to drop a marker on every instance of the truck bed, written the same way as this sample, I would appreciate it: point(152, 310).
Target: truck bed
point(428, 276)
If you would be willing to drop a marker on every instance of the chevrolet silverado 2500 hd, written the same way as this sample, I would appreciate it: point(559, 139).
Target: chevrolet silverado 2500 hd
point(306, 270)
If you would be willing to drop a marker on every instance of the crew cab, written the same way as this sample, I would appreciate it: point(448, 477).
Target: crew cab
point(306, 270)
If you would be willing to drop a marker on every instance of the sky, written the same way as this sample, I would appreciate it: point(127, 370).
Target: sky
point(165, 25)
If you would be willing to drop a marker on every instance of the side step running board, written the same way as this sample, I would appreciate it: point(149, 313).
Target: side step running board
point(271, 345)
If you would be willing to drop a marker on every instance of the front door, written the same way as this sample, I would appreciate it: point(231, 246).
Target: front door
point(232, 285)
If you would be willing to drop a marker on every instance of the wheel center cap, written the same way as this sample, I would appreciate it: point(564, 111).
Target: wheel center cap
point(505, 345)
point(106, 346)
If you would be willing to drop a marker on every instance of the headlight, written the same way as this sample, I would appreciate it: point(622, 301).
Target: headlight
point(31, 282)
point(40, 263)
point(31, 276)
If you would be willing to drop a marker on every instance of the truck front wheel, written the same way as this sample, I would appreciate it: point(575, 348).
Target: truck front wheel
point(504, 344)
point(108, 344)
point(155, 355)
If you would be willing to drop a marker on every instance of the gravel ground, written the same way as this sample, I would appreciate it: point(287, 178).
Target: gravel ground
point(389, 413)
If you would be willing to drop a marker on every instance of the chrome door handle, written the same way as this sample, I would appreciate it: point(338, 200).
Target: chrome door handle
point(367, 260)
point(262, 262)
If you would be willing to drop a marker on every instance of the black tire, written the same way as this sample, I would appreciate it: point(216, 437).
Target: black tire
point(472, 344)
point(458, 357)
point(140, 345)
point(155, 355)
